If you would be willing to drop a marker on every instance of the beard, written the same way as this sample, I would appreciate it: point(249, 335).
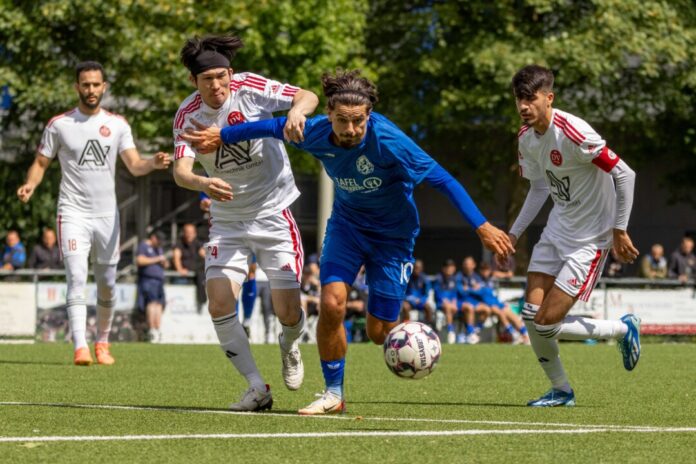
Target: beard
point(89, 105)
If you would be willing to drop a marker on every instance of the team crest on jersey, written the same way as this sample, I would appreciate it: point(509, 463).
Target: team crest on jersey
point(364, 166)
point(104, 131)
point(235, 117)
point(556, 157)
point(93, 153)
point(237, 154)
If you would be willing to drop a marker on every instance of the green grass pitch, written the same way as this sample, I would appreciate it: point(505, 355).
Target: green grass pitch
point(165, 403)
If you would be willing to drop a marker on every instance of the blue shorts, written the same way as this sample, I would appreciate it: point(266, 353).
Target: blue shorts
point(150, 291)
point(388, 266)
point(472, 300)
point(493, 301)
point(416, 302)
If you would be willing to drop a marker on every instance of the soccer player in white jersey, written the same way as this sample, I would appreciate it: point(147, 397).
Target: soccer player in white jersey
point(251, 187)
point(87, 140)
point(592, 190)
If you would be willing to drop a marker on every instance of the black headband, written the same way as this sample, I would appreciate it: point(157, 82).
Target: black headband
point(208, 59)
point(354, 92)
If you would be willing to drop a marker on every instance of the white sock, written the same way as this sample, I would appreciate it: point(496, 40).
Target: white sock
point(292, 333)
point(105, 314)
point(235, 345)
point(582, 328)
point(77, 315)
point(546, 350)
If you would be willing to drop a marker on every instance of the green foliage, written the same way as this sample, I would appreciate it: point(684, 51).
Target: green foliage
point(138, 42)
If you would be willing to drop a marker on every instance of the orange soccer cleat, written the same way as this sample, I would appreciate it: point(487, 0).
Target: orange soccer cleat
point(101, 350)
point(82, 357)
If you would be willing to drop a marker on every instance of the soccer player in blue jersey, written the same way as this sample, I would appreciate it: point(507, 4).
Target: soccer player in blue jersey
point(374, 221)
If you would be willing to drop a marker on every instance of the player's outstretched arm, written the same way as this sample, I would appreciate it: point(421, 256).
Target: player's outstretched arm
point(34, 177)
point(215, 188)
point(140, 166)
point(206, 139)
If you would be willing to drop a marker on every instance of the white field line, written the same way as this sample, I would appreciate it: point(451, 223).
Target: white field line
point(638, 428)
point(356, 434)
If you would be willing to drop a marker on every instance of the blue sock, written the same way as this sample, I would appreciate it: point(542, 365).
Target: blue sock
point(523, 330)
point(248, 297)
point(509, 329)
point(479, 325)
point(469, 329)
point(333, 375)
point(450, 327)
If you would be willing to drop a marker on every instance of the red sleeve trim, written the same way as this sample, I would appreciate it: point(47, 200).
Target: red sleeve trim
point(606, 160)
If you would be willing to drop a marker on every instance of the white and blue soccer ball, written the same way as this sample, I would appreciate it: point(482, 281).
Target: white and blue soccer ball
point(412, 350)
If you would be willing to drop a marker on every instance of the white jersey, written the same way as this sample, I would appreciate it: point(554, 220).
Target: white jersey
point(258, 170)
point(86, 147)
point(574, 161)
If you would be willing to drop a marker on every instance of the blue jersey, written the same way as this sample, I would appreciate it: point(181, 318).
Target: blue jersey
point(445, 288)
point(470, 286)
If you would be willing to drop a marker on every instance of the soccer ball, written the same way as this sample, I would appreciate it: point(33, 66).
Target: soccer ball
point(412, 350)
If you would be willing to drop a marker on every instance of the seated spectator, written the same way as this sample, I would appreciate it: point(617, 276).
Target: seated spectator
point(682, 263)
point(46, 255)
point(14, 256)
point(510, 322)
point(474, 310)
point(417, 293)
point(654, 265)
point(151, 263)
point(446, 296)
point(189, 256)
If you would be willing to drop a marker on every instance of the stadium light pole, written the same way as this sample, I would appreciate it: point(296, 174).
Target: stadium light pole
point(326, 194)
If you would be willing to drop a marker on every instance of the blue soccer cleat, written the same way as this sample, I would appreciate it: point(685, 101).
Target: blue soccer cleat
point(553, 398)
point(630, 344)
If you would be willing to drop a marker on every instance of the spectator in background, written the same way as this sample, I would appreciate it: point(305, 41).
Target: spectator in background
point(654, 265)
point(505, 270)
point(615, 268)
point(189, 256)
point(682, 263)
point(310, 292)
point(446, 296)
point(474, 310)
point(14, 256)
point(151, 263)
point(417, 293)
point(46, 255)
point(510, 322)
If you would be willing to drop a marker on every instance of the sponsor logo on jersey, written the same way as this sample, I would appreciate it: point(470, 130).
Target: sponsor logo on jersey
point(364, 166)
point(235, 117)
point(560, 188)
point(93, 153)
point(104, 131)
point(556, 157)
point(372, 183)
point(350, 184)
point(233, 154)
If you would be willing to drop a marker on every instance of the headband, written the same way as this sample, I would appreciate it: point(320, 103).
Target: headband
point(208, 59)
point(352, 91)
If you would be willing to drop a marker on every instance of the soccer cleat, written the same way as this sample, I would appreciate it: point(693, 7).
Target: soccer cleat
point(461, 338)
point(254, 400)
point(553, 398)
point(82, 357)
point(328, 403)
point(451, 337)
point(473, 338)
point(101, 350)
point(630, 344)
point(293, 368)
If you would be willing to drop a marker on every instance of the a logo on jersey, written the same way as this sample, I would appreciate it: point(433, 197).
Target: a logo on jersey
point(287, 267)
point(611, 154)
point(104, 131)
point(573, 282)
point(364, 166)
point(274, 88)
point(235, 117)
point(351, 185)
point(372, 182)
point(559, 187)
point(556, 157)
point(233, 153)
point(93, 153)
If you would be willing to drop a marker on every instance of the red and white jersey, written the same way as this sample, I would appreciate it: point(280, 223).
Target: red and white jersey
point(575, 163)
point(87, 147)
point(258, 170)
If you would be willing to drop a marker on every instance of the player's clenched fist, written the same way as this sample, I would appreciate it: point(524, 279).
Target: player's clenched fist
point(25, 192)
point(162, 160)
point(204, 139)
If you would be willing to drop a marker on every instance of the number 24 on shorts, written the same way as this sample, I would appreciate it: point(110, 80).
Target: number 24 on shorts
point(213, 251)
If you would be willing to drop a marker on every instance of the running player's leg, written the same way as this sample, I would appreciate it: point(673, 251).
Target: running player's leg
point(105, 249)
point(277, 244)
point(75, 243)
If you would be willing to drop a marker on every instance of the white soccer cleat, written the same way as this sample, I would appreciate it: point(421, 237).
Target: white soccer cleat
point(451, 337)
point(293, 368)
point(328, 403)
point(473, 338)
point(254, 400)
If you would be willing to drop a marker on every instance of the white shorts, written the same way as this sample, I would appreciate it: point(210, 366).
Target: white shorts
point(274, 240)
point(576, 268)
point(82, 236)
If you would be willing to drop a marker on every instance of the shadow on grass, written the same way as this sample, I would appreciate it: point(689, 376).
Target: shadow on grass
point(444, 403)
point(40, 363)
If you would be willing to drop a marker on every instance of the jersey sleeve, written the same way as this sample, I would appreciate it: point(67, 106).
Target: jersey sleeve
point(414, 162)
point(529, 168)
point(182, 148)
point(585, 143)
point(125, 141)
point(267, 94)
point(50, 142)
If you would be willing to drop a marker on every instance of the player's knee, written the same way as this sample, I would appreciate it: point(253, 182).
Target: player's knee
point(333, 309)
point(541, 318)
